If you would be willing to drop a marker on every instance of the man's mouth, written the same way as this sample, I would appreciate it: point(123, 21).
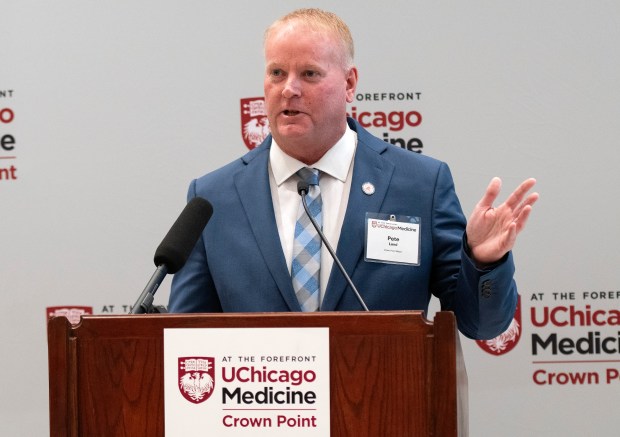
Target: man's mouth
point(290, 112)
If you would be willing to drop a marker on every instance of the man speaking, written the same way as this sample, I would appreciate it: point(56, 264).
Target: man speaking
point(392, 215)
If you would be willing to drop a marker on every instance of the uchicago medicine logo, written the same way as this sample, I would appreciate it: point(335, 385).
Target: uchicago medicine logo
point(254, 122)
point(72, 313)
point(8, 157)
point(395, 117)
point(196, 378)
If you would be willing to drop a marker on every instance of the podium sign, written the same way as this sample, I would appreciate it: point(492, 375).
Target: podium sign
point(234, 382)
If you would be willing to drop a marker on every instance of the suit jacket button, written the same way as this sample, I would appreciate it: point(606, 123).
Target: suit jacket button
point(486, 289)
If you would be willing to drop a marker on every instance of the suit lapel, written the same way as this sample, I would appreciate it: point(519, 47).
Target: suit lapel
point(252, 184)
point(369, 167)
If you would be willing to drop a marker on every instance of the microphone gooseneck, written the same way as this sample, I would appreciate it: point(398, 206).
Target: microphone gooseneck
point(302, 189)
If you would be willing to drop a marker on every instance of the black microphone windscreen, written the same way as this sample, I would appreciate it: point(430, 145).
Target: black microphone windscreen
point(183, 235)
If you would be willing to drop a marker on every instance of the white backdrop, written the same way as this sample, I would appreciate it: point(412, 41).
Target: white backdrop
point(117, 105)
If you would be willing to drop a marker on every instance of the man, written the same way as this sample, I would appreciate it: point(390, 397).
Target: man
point(247, 258)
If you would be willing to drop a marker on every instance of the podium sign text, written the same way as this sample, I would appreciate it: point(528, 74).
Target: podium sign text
point(247, 382)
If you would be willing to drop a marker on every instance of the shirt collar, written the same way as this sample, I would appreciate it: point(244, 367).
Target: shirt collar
point(335, 162)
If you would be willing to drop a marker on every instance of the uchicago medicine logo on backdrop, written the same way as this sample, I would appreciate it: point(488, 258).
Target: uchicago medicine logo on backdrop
point(254, 122)
point(395, 117)
point(71, 312)
point(574, 337)
point(8, 153)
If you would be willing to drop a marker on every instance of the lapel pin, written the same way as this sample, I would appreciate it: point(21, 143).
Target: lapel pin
point(368, 188)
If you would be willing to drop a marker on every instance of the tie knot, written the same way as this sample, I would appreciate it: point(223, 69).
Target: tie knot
point(309, 175)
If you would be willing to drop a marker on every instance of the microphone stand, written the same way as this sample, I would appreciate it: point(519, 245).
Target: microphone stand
point(144, 304)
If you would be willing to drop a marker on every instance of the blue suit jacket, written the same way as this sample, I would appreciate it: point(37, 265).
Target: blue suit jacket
point(238, 264)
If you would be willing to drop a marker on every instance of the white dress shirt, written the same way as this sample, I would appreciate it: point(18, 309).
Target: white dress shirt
point(336, 168)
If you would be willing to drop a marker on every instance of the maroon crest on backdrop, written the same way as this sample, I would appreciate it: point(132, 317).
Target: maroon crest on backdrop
point(73, 313)
point(254, 123)
point(196, 378)
point(506, 341)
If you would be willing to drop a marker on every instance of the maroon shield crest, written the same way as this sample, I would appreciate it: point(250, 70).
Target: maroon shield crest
point(73, 313)
point(196, 378)
point(506, 341)
point(254, 123)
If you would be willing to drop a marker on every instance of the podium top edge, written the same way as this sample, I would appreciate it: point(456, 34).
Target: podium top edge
point(282, 314)
point(442, 317)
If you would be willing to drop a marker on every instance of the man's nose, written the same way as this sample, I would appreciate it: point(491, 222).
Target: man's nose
point(292, 87)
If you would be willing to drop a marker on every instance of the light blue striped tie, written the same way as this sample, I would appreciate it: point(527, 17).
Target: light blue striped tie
point(307, 245)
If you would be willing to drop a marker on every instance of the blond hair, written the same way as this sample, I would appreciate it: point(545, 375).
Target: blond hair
point(320, 20)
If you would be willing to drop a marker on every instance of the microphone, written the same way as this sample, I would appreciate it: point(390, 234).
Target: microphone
point(175, 248)
point(302, 189)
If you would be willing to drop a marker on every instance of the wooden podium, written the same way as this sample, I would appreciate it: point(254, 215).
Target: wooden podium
point(392, 373)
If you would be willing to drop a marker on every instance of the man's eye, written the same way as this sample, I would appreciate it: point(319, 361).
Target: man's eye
point(311, 74)
point(277, 73)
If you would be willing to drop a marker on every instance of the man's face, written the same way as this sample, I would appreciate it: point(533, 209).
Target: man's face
point(307, 87)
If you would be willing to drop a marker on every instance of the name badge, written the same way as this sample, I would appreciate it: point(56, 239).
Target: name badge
point(392, 239)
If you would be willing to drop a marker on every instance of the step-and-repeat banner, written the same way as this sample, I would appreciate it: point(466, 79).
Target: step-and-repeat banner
point(109, 109)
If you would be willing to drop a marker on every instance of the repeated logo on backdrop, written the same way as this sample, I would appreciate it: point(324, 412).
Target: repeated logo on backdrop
point(574, 338)
point(8, 145)
point(72, 313)
point(254, 122)
point(394, 117)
